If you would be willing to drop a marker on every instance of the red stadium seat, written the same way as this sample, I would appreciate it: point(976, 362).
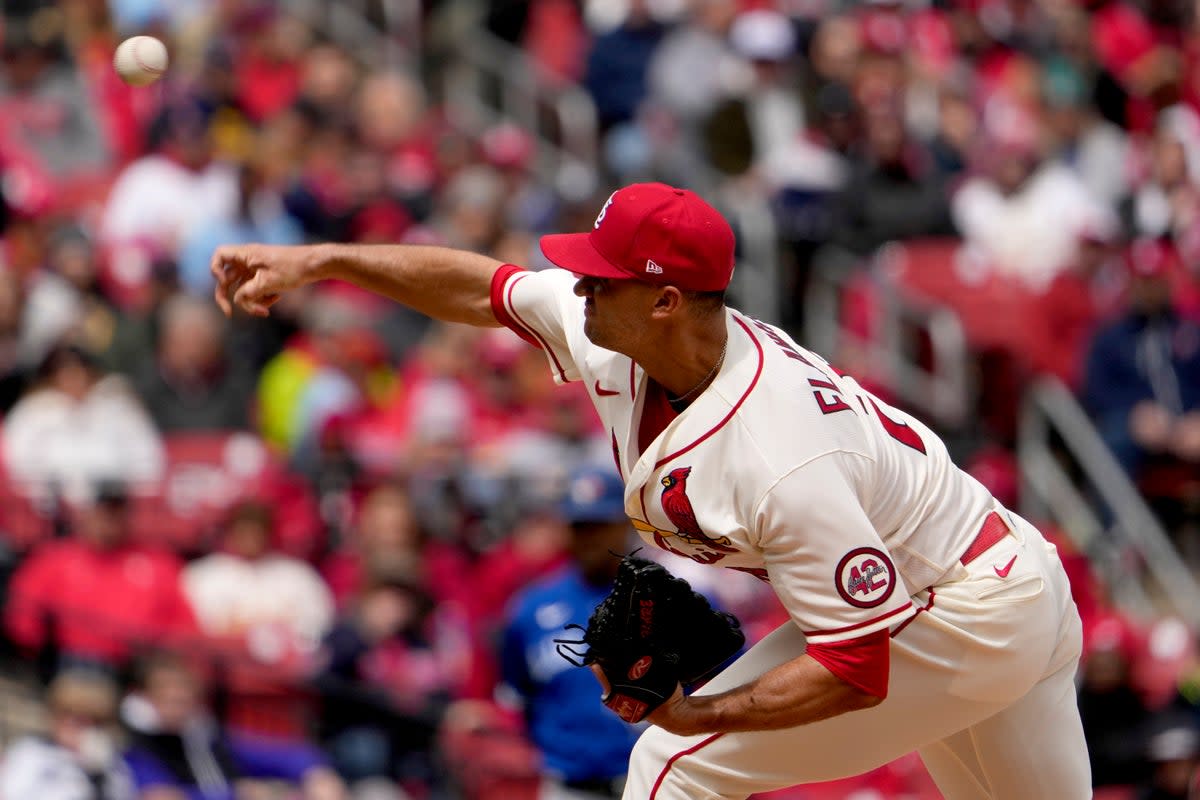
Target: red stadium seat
point(207, 473)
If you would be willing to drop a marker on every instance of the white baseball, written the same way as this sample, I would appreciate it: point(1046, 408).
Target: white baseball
point(140, 60)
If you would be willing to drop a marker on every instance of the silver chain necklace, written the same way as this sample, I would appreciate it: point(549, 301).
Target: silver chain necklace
point(703, 381)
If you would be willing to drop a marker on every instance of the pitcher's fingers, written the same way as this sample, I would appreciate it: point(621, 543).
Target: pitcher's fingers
point(222, 299)
point(604, 684)
point(219, 266)
point(254, 297)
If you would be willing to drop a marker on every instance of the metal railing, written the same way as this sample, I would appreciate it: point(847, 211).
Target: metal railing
point(943, 389)
point(490, 81)
point(379, 33)
point(1127, 551)
point(757, 282)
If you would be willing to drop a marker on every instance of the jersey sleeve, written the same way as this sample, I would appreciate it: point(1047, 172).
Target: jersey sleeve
point(541, 308)
point(824, 558)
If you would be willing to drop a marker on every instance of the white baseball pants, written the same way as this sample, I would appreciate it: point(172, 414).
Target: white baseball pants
point(981, 685)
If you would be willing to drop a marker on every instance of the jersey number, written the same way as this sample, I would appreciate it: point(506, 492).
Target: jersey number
point(862, 577)
point(831, 402)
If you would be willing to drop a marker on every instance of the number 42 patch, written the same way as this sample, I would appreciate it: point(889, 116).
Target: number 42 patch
point(865, 577)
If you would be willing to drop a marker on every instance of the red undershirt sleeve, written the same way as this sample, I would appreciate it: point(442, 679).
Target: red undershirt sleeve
point(862, 662)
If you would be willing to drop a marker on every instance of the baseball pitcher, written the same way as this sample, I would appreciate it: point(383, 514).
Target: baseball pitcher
point(924, 615)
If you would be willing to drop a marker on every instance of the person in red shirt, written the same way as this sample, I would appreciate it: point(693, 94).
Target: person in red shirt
point(388, 538)
point(97, 596)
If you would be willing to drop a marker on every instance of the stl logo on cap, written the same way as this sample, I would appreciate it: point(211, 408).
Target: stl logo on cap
point(603, 211)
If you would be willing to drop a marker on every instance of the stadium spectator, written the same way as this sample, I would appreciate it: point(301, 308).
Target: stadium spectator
point(179, 751)
point(61, 301)
point(689, 72)
point(97, 596)
point(1142, 381)
point(12, 377)
point(951, 144)
point(1113, 713)
point(259, 217)
point(394, 126)
point(76, 427)
point(585, 752)
point(391, 667)
point(77, 756)
point(387, 540)
point(1174, 754)
point(617, 66)
point(894, 189)
point(335, 369)
point(1094, 148)
point(44, 99)
point(249, 593)
point(1166, 202)
point(195, 383)
point(760, 117)
point(471, 211)
point(163, 198)
point(1023, 212)
point(271, 43)
point(1078, 299)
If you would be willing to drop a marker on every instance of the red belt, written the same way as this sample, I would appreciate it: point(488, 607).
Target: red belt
point(992, 531)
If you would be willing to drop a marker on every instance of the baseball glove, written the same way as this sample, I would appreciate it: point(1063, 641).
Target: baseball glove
point(650, 634)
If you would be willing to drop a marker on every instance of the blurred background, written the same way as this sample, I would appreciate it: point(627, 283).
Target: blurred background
point(323, 555)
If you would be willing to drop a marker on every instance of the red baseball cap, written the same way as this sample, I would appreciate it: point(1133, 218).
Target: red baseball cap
point(654, 233)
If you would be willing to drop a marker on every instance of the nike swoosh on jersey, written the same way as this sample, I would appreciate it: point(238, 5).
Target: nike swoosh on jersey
point(600, 390)
point(1003, 573)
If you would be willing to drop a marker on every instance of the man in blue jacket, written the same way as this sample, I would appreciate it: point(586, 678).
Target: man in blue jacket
point(585, 748)
point(1142, 381)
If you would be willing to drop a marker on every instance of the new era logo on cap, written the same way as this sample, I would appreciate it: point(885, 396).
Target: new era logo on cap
point(651, 232)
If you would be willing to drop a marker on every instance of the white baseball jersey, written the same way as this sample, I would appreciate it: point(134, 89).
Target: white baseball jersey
point(855, 514)
point(781, 467)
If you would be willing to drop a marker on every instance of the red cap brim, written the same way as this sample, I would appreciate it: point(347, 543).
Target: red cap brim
point(574, 252)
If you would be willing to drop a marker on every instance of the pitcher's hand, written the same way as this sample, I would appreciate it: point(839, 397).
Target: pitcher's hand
point(253, 276)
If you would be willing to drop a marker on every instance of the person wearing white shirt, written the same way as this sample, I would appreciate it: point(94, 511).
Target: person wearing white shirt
point(76, 758)
point(278, 603)
point(79, 428)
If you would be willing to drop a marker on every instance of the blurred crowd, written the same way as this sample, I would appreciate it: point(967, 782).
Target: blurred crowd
point(306, 551)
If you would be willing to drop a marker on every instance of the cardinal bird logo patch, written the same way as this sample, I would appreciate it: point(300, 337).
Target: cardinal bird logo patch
point(865, 577)
point(678, 508)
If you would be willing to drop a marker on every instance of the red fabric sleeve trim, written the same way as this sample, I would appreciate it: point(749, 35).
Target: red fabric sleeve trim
point(500, 310)
point(862, 662)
